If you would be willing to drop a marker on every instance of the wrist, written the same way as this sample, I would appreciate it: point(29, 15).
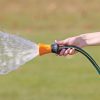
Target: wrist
point(91, 39)
point(83, 40)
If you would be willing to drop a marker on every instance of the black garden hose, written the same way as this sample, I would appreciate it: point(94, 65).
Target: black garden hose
point(56, 49)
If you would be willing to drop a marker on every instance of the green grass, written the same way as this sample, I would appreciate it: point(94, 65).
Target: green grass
point(50, 77)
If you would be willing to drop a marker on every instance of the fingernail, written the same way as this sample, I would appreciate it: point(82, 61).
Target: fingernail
point(55, 41)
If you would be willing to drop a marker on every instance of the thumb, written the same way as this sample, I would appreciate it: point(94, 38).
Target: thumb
point(62, 42)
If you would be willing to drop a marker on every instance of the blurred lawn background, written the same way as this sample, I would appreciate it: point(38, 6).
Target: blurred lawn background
point(50, 77)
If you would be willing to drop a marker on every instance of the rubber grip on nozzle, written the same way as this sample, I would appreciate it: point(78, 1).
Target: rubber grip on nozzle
point(55, 48)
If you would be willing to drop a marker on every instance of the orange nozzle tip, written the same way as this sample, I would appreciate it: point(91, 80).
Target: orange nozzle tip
point(44, 49)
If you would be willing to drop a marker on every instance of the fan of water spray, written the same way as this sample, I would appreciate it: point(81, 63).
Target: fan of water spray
point(15, 51)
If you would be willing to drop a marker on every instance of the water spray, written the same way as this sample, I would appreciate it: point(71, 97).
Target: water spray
point(16, 51)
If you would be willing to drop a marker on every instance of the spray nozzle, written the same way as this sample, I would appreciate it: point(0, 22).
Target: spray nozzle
point(53, 48)
point(44, 49)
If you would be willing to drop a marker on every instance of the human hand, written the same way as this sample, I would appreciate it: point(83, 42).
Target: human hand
point(76, 41)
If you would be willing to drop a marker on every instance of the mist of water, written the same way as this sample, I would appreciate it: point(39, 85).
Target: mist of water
point(15, 51)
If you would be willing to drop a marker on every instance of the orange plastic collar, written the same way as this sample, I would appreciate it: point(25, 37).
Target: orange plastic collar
point(44, 49)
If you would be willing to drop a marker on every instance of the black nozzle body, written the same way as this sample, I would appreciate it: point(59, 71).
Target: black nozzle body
point(55, 48)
